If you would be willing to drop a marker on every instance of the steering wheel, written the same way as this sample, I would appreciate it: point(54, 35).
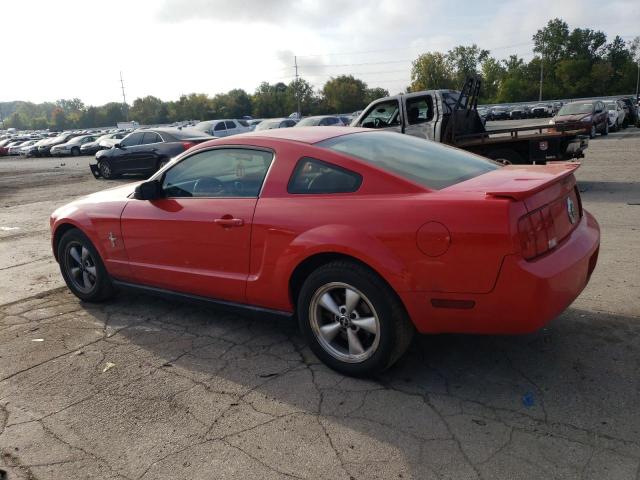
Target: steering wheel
point(377, 122)
point(207, 186)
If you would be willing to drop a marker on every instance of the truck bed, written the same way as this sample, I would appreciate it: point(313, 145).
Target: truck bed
point(508, 135)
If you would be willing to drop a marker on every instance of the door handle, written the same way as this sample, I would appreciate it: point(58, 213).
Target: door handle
point(228, 221)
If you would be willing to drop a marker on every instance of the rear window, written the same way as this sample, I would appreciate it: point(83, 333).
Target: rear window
point(424, 162)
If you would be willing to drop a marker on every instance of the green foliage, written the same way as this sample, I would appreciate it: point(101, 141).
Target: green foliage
point(432, 70)
point(344, 93)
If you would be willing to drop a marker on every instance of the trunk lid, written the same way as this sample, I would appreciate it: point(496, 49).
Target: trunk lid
point(548, 193)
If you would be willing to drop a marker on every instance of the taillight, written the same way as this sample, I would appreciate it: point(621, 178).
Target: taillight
point(537, 232)
point(187, 145)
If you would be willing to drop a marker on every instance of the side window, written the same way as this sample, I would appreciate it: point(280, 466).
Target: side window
point(220, 126)
point(150, 137)
point(131, 140)
point(419, 109)
point(228, 172)
point(313, 176)
point(231, 125)
point(289, 123)
point(381, 115)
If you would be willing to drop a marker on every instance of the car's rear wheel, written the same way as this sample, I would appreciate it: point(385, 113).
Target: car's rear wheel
point(82, 268)
point(352, 320)
point(75, 151)
point(105, 170)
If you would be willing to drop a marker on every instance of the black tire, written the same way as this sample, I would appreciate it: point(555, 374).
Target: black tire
point(394, 328)
point(100, 286)
point(75, 151)
point(506, 156)
point(605, 131)
point(105, 170)
point(592, 132)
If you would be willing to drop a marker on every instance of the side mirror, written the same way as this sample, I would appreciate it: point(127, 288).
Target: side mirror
point(149, 190)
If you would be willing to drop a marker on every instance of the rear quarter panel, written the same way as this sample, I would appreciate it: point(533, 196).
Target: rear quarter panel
point(377, 225)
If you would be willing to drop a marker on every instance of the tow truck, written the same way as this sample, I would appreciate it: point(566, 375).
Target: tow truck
point(451, 117)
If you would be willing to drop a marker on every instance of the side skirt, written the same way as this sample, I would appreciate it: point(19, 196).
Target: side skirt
point(196, 299)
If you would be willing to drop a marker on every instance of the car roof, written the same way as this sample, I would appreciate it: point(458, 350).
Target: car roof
point(308, 135)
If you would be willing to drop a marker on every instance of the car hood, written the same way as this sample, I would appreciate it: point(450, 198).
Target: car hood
point(116, 196)
point(571, 118)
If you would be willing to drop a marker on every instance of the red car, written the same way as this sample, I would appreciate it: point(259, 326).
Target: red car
point(365, 235)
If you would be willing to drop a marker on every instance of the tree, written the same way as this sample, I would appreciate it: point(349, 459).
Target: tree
point(493, 73)
point(149, 110)
point(465, 61)
point(431, 70)
point(344, 93)
point(59, 119)
point(300, 89)
point(372, 94)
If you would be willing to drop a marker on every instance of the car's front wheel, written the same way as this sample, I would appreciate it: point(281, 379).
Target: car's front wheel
point(592, 132)
point(82, 267)
point(105, 170)
point(605, 130)
point(75, 151)
point(352, 320)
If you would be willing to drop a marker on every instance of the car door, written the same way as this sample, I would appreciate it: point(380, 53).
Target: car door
point(219, 130)
point(196, 238)
point(385, 115)
point(420, 117)
point(124, 158)
point(232, 127)
point(148, 152)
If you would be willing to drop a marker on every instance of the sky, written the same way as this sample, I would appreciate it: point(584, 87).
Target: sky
point(166, 48)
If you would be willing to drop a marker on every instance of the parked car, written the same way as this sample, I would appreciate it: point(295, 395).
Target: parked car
point(145, 151)
point(591, 116)
point(45, 148)
point(320, 121)
point(253, 123)
point(271, 123)
point(542, 110)
point(223, 128)
point(72, 147)
point(519, 112)
point(631, 112)
point(389, 241)
point(16, 148)
point(100, 143)
point(32, 150)
point(616, 114)
point(498, 113)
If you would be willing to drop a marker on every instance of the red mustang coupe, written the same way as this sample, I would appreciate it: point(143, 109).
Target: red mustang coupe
point(365, 235)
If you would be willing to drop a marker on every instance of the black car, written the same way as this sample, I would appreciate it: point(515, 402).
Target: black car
point(44, 150)
point(145, 151)
point(92, 148)
point(498, 113)
point(631, 114)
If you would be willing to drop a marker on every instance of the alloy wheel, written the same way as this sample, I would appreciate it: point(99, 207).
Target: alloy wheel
point(344, 322)
point(81, 267)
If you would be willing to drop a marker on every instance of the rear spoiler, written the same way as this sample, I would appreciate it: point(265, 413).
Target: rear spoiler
point(521, 181)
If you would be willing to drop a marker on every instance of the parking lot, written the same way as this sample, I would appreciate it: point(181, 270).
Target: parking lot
point(140, 388)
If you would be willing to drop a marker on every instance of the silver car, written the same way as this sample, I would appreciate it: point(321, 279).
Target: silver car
point(224, 127)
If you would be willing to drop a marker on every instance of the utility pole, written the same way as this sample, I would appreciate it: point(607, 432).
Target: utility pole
point(541, 70)
point(638, 79)
point(295, 61)
point(124, 98)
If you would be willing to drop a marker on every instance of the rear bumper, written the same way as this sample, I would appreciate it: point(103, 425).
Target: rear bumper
point(526, 297)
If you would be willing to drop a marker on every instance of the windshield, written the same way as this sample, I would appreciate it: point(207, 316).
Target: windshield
point(421, 161)
point(611, 106)
point(309, 122)
point(575, 108)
